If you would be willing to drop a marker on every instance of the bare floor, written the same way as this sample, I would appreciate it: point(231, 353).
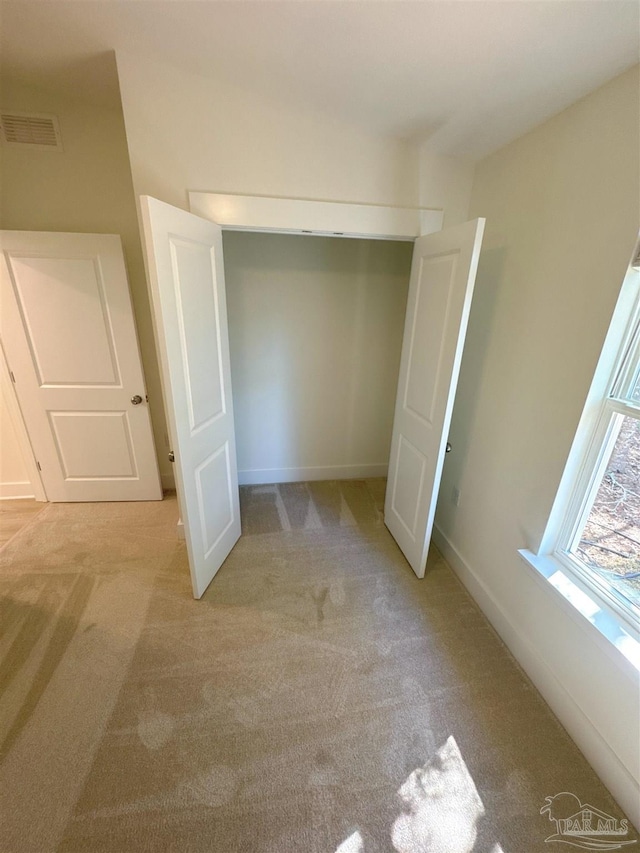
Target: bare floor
point(317, 699)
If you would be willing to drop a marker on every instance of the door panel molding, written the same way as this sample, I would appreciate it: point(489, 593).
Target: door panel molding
point(190, 326)
point(69, 335)
point(435, 327)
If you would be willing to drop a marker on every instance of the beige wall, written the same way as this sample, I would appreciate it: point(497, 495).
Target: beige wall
point(445, 182)
point(187, 132)
point(315, 327)
point(562, 219)
point(86, 188)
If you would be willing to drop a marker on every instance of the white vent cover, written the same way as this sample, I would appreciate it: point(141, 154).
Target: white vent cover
point(31, 130)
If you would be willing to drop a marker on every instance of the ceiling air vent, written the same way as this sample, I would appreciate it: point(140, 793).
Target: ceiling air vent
point(38, 131)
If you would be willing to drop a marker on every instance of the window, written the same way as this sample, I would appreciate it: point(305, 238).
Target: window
point(602, 539)
point(592, 542)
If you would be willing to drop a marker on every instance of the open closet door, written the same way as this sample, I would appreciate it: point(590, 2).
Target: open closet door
point(443, 274)
point(186, 274)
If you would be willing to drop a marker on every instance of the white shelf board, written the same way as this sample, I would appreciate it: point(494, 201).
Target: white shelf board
point(322, 218)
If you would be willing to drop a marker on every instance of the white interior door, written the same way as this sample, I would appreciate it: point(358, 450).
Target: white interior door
point(443, 274)
point(186, 274)
point(69, 336)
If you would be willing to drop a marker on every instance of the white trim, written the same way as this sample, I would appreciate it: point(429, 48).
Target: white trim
point(594, 585)
point(593, 468)
point(587, 446)
point(581, 602)
point(605, 761)
point(324, 218)
point(8, 394)
point(265, 476)
point(15, 491)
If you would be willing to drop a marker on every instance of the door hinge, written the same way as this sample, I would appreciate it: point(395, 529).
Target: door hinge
point(38, 464)
point(13, 378)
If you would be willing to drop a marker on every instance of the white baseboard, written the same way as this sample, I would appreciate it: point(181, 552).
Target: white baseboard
point(263, 476)
point(12, 491)
point(576, 721)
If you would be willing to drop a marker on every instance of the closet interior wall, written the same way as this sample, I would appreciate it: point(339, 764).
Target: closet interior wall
point(315, 328)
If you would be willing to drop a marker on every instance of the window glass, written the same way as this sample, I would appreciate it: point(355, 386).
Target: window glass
point(634, 397)
point(609, 543)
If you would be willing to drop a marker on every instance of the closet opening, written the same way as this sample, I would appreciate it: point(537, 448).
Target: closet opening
point(315, 334)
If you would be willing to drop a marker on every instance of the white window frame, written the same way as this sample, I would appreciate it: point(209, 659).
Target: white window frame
point(597, 432)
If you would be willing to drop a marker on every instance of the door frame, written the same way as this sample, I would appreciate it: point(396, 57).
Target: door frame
point(303, 217)
point(9, 396)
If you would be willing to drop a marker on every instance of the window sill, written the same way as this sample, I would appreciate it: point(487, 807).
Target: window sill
point(584, 604)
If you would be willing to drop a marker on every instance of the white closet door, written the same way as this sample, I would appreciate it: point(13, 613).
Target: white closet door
point(70, 341)
point(442, 278)
point(186, 274)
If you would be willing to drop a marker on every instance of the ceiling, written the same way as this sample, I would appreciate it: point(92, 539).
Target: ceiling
point(464, 76)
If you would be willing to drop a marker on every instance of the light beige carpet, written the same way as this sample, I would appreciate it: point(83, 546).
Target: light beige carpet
point(319, 698)
point(14, 514)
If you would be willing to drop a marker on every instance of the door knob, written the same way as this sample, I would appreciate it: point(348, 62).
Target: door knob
point(136, 400)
